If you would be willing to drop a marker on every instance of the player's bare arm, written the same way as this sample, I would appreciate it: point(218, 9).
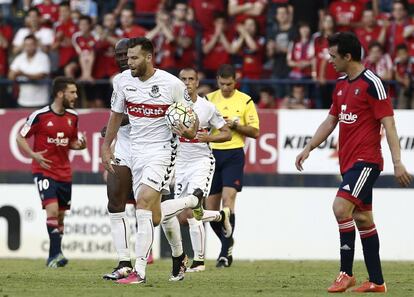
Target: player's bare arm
point(324, 130)
point(401, 174)
point(37, 156)
point(223, 136)
point(245, 130)
point(112, 129)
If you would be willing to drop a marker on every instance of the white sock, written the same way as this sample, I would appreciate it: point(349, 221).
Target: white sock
point(198, 237)
point(145, 238)
point(173, 207)
point(172, 232)
point(211, 216)
point(120, 235)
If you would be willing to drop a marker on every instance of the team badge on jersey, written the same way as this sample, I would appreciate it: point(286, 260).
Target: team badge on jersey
point(186, 95)
point(356, 91)
point(155, 91)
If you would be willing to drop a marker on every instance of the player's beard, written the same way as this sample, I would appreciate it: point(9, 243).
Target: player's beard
point(67, 103)
point(140, 70)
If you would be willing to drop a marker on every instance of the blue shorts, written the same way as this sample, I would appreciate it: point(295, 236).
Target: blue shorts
point(51, 191)
point(229, 170)
point(357, 184)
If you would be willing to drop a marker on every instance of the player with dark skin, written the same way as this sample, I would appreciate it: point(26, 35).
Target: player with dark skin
point(119, 182)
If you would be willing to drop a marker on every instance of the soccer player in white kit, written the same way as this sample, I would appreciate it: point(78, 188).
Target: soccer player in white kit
point(147, 93)
point(195, 166)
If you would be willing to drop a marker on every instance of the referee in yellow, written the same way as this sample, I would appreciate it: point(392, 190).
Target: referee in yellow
point(239, 111)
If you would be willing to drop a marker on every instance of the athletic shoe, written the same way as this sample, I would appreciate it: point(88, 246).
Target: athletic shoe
point(222, 262)
point(370, 287)
point(198, 210)
point(179, 268)
point(57, 261)
point(225, 217)
point(123, 270)
point(342, 283)
point(197, 266)
point(132, 278)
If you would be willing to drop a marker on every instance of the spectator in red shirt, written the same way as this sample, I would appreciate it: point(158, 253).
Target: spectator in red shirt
point(347, 14)
point(216, 45)
point(243, 9)
point(6, 36)
point(395, 28)
point(370, 30)
point(65, 28)
point(378, 61)
point(127, 25)
point(163, 39)
point(300, 54)
point(322, 69)
point(266, 98)
point(204, 11)
point(84, 44)
point(403, 65)
point(145, 6)
point(251, 47)
point(49, 12)
point(184, 36)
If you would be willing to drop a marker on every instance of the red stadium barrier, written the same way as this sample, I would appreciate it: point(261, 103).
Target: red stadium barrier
point(261, 154)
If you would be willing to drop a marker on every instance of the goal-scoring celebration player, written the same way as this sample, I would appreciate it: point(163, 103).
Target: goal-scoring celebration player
point(239, 111)
point(147, 93)
point(360, 105)
point(55, 131)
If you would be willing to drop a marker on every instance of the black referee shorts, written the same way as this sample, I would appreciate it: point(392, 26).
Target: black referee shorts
point(229, 170)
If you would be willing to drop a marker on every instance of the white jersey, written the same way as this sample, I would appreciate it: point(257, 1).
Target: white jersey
point(122, 150)
point(146, 103)
point(209, 117)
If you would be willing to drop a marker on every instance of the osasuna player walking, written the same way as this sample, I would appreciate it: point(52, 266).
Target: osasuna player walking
point(361, 105)
point(147, 93)
point(55, 132)
point(194, 170)
point(119, 185)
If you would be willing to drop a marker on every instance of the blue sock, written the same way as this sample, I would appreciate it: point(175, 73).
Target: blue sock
point(54, 236)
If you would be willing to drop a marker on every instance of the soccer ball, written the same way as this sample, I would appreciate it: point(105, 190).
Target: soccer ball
point(179, 113)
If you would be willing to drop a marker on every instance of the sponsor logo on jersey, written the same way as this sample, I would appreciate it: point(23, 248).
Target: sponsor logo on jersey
point(49, 124)
point(146, 110)
point(60, 139)
point(347, 118)
point(130, 89)
point(339, 93)
point(155, 91)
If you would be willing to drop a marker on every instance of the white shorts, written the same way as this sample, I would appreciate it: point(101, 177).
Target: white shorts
point(193, 174)
point(153, 165)
point(122, 152)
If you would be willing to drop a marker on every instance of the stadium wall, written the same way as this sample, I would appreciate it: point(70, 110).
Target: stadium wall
point(272, 223)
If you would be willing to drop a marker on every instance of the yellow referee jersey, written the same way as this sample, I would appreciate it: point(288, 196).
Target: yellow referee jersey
point(239, 106)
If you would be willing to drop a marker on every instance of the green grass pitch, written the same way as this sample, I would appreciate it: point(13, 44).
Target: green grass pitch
point(258, 278)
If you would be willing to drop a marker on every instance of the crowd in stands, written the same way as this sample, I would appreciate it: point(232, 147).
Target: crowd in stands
point(264, 39)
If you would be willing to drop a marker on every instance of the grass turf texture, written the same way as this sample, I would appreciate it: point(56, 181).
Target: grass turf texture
point(259, 278)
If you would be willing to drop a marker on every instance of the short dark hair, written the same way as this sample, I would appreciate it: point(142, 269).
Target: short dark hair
point(35, 9)
point(375, 44)
point(30, 36)
point(347, 43)
point(226, 71)
point(60, 83)
point(64, 3)
point(86, 18)
point(145, 43)
point(401, 46)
